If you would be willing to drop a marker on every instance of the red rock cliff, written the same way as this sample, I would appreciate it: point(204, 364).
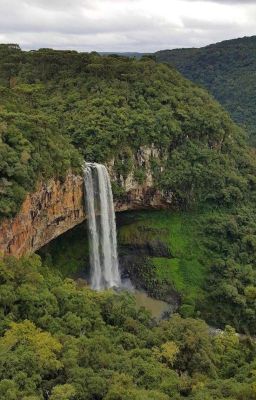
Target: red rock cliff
point(56, 207)
point(51, 210)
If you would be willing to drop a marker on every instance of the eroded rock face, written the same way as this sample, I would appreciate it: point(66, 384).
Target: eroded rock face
point(52, 209)
point(56, 207)
point(140, 195)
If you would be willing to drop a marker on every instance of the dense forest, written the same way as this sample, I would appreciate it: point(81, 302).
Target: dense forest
point(62, 341)
point(59, 340)
point(58, 107)
point(227, 70)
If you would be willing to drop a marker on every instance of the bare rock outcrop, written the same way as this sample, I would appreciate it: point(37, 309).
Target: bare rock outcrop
point(57, 206)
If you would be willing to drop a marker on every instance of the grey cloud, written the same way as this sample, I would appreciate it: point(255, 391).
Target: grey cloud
point(229, 2)
point(67, 24)
point(59, 4)
point(17, 19)
point(75, 23)
point(205, 26)
point(71, 4)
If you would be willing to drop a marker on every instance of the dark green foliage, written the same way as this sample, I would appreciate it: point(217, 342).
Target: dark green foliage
point(211, 262)
point(69, 253)
point(58, 107)
point(62, 341)
point(230, 242)
point(32, 144)
point(227, 70)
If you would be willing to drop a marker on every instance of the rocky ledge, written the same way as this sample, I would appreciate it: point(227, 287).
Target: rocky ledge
point(57, 206)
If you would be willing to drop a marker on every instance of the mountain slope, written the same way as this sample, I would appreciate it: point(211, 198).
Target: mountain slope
point(58, 107)
point(227, 70)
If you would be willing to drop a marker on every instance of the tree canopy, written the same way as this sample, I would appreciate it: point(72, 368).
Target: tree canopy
point(58, 107)
point(227, 69)
point(63, 341)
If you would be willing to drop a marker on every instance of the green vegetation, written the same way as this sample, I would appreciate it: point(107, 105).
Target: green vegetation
point(58, 339)
point(185, 269)
point(58, 107)
point(186, 266)
point(227, 70)
point(61, 341)
point(230, 241)
point(69, 253)
point(211, 261)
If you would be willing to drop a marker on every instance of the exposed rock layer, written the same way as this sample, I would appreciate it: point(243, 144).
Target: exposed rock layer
point(51, 210)
point(58, 206)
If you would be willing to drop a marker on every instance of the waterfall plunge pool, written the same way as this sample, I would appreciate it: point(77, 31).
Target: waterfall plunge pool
point(70, 252)
point(157, 308)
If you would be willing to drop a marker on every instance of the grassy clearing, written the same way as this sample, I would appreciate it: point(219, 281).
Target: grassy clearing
point(186, 270)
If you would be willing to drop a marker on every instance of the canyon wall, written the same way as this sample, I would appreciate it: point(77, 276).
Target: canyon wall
point(51, 210)
point(57, 206)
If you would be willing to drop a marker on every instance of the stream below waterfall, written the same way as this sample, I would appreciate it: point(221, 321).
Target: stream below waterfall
point(157, 308)
point(89, 253)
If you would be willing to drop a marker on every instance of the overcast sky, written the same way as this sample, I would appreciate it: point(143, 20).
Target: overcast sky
point(124, 25)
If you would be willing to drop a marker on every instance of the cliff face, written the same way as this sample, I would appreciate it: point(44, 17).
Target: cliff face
point(58, 206)
point(51, 210)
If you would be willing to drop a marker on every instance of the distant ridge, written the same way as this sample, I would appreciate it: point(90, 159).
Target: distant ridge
point(228, 70)
point(130, 54)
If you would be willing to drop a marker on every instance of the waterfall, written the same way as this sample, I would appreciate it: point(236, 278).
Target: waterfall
point(102, 227)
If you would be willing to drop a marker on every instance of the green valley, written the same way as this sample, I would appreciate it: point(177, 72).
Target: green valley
point(184, 187)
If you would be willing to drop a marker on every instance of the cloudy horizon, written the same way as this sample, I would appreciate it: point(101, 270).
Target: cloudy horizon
point(124, 25)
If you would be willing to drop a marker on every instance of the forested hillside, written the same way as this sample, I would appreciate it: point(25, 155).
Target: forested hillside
point(228, 70)
point(58, 107)
point(59, 340)
point(62, 341)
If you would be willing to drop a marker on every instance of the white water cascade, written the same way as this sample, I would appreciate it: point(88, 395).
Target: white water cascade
point(102, 227)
